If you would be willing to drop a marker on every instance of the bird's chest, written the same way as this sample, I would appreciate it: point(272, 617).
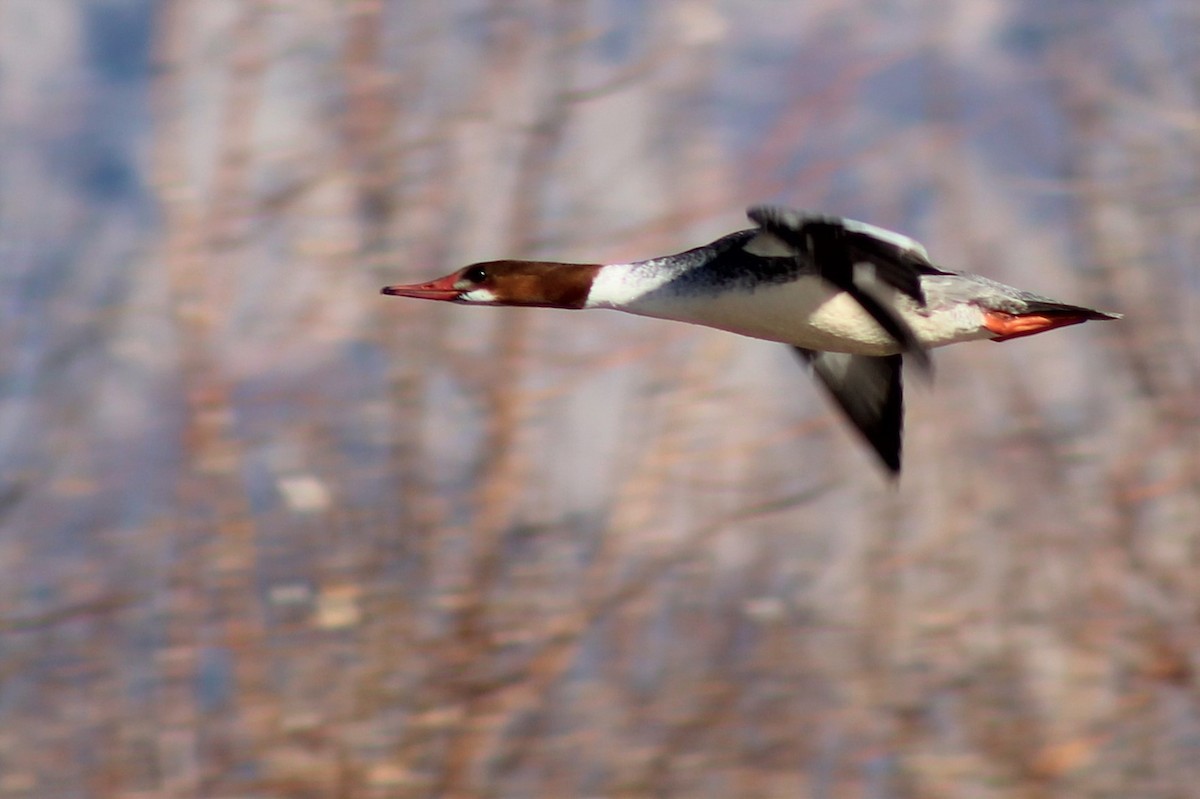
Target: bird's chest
point(806, 313)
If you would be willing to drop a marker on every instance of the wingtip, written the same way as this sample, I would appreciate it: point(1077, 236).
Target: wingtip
point(869, 393)
point(890, 461)
point(767, 217)
point(890, 458)
point(758, 213)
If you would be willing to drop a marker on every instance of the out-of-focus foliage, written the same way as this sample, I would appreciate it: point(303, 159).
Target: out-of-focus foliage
point(266, 533)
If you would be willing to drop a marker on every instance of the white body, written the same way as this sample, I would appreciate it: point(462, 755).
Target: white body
point(807, 312)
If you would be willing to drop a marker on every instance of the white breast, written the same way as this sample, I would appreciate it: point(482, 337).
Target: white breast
point(806, 313)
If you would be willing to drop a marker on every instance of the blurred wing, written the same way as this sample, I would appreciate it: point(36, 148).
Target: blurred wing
point(861, 260)
point(869, 392)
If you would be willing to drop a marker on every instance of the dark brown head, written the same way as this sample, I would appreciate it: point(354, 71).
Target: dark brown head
point(533, 283)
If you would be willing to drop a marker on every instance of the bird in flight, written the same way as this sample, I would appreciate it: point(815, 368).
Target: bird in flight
point(853, 300)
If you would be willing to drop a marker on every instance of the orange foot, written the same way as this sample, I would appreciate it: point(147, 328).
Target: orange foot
point(1006, 325)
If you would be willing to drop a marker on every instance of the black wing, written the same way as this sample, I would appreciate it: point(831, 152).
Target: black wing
point(856, 261)
point(870, 394)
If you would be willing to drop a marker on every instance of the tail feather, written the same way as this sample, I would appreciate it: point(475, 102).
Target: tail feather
point(1050, 308)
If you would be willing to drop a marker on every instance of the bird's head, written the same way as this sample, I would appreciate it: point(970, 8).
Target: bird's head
point(529, 283)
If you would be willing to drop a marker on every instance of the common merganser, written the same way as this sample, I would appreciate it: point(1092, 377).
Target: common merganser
point(852, 299)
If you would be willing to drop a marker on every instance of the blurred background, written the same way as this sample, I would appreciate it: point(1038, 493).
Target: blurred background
point(265, 533)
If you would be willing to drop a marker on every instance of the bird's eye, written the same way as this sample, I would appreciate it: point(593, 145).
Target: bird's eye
point(476, 274)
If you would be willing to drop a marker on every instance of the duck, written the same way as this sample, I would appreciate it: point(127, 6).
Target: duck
point(854, 301)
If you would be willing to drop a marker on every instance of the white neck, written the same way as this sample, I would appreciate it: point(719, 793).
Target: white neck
point(621, 285)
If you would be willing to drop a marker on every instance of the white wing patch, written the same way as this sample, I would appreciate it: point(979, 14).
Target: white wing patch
point(767, 245)
point(890, 236)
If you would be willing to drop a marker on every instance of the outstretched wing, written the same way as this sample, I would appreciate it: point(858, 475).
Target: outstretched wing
point(870, 394)
point(861, 260)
